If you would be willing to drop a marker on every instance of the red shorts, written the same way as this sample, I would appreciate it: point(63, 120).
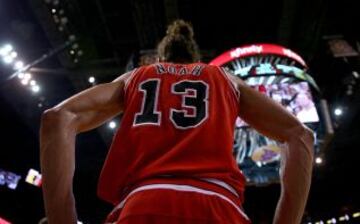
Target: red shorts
point(185, 205)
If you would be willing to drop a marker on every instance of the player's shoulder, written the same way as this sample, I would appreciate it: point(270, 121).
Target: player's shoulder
point(125, 76)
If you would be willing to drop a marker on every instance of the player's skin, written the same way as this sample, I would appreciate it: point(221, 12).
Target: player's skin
point(91, 108)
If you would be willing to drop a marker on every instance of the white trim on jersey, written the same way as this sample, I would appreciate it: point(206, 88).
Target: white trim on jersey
point(221, 184)
point(184, 188)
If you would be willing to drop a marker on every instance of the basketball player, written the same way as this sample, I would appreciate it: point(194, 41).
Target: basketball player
point(171, 159)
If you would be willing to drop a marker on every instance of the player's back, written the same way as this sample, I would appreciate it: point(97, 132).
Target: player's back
point(178, 122)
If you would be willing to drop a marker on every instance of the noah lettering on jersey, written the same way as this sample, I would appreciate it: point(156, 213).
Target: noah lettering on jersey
point(183, 70)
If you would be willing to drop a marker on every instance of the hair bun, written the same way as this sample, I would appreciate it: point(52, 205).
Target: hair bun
point(181, 28)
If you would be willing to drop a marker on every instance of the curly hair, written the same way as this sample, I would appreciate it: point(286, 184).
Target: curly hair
point(179, 44)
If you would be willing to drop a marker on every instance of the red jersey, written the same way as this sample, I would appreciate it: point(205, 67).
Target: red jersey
point(178, 121)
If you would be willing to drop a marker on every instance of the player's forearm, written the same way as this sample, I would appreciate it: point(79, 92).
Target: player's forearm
point(57, 146)
point(296, 170)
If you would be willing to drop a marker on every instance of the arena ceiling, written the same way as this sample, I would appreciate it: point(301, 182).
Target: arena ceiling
point(110, 33)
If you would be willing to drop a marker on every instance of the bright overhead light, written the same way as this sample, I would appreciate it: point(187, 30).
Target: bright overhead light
point(27, 76)
point(355, 74)
point(24, 82)
point(331, 221)
point(318, 160)
point(53, 11)
point(32, 83)
point(72, 37)
point(6, 49)
point(21, 75)
point(35, 88)
point(75, 46)
point(64, 20)
point(13, 54)
point(112, 124)
point(8, 59)
point(18, 65)
point(338, 111)
point(80, 53)
point(91, 79)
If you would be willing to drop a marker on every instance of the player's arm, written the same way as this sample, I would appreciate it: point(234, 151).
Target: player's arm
point(59, 126)
point(274, 121)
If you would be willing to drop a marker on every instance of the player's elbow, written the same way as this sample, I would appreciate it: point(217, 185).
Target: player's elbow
point(296, 129)
point(300, 134)
point(56, 117)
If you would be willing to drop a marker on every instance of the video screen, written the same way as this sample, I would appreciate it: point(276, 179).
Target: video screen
point(259, 156)
point(295, 97)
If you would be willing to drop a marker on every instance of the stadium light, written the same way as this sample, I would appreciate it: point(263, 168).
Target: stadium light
point(8, 56)
point(27, 76)
point(356, 74)
point(344, 218)
point(72, 37)
point(8, 59)
point(318, 160)
point(338, 111)
point(64, 20)
point(91, 79)
point(112, 124)
point(32, 83)
point(13, 54)
point(35, 88)
point(24, 82)
point(21, 75)
point(6, 49)
point(331, 221)
point(18, 65)
point(341, 219)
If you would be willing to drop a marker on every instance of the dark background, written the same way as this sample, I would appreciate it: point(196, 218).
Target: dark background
point(110, 33)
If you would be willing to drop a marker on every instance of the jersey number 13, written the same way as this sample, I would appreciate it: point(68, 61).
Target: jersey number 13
point(194, 95)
